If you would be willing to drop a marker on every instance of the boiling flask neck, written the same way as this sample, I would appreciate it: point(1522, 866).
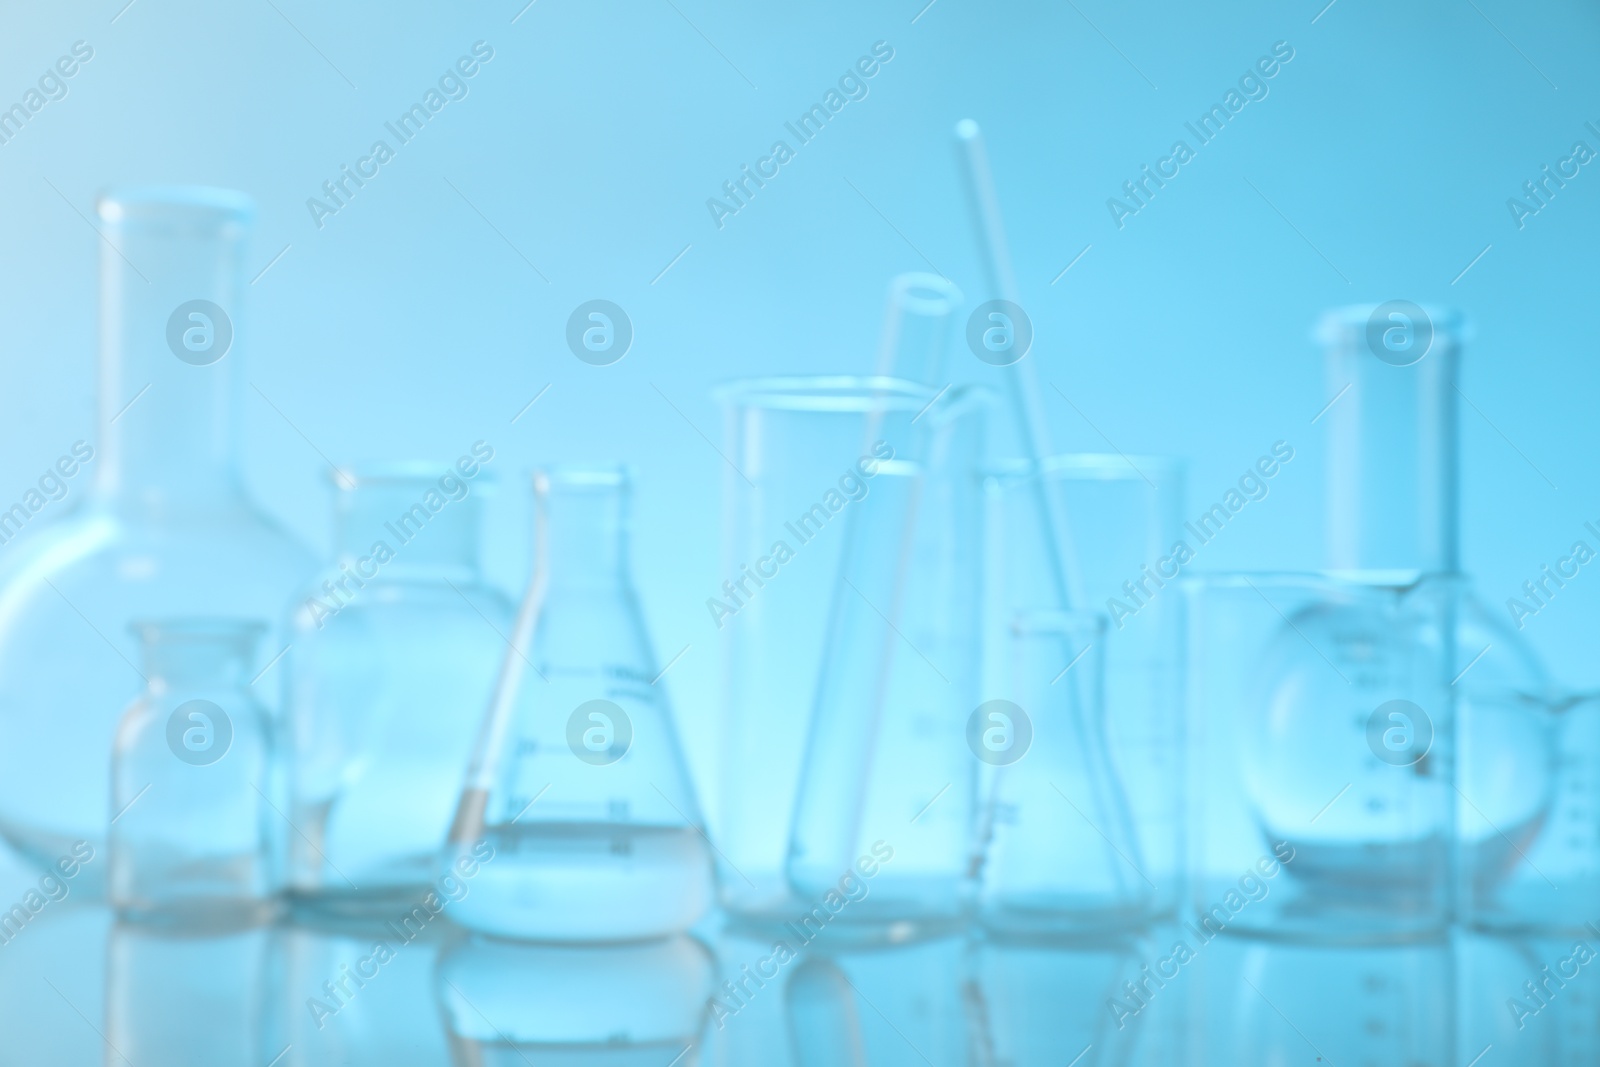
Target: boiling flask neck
point(171, 293)
point(1393, 438)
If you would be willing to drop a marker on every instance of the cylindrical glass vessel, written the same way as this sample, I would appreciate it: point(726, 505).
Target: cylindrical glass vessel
point(886, 762)
point(790, 441)
point(394, 655)
point(1123, 529)
point(196, 829)
point(577, 788)
point(167, 529)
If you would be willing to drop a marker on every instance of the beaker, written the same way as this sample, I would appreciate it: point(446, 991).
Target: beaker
point(1124, 523)
point(195, 823)
point(577, 784)
point(1056, 840)
point(1324, 745)
point(791, 442)
point(633, 1005)
point(1538, 863)
point(393, 659)
point(167, 530)
point(886, 764)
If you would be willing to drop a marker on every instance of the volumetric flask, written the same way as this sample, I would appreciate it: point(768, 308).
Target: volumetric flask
point(577, 784)
point(196, 832)
point(395, 651)
point(1324, 728)
point(794, 444)
point(1056, 835)
point(167, 529)
point(1124, 550)
point(886, 761)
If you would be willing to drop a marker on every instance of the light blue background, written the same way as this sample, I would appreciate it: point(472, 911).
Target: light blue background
point(407, 327)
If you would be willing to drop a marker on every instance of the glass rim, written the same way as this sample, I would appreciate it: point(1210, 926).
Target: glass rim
point(829, 393)
point(122, 205)
point(1393, 581)
point(1034, 621)
point(582, 476)
point(1348, 324)
point(394, 472)
point(200, 628)
point(1089, 466)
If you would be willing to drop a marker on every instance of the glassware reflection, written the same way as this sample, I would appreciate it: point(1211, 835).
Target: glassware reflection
point(511, 1003)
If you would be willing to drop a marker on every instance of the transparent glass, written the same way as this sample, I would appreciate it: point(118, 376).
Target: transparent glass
point(1543, 871)
point(184, 996)
point(636, 1005)
point(394, 654)
point(1059, 851)
point(1340, 1004)
point(1325, 727)
point(886, 762)
point(1529, 998)
point(194, 829)
point(577, 781)
point(1123, 518)
point(167, 529)
point(791, 440)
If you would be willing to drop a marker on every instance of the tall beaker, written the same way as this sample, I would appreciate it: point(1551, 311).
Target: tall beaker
point(168, 529)
point(393, 660)
point(886, 763)
point(1124, 524)
point(577, 781)
point(791, 442)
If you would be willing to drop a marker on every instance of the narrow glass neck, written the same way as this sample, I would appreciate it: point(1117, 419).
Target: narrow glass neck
point(171, 289)
point(198, 654)
point(412, 524)
point(582, 528)
point(1393, 449)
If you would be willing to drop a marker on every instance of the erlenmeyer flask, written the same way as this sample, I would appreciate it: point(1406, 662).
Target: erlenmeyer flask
point(1061, 853)
point(196, 834)
point(578, 783)
point(393, 660)
point(167, 530)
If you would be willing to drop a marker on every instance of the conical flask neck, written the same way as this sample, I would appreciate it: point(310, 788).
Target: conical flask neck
point(171, 289)
point(582, 529)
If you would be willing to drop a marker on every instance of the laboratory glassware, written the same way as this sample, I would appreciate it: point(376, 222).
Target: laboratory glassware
point(1124, 523)
point(195, 829)
point(167, 528)
point(790, 442)
point(181, 995)
point(886, 763)
point(393, 658)
point(1323, 728)
point(1545, 875)
point(1056, 840)
point(628, 1005)
point(577, 786)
